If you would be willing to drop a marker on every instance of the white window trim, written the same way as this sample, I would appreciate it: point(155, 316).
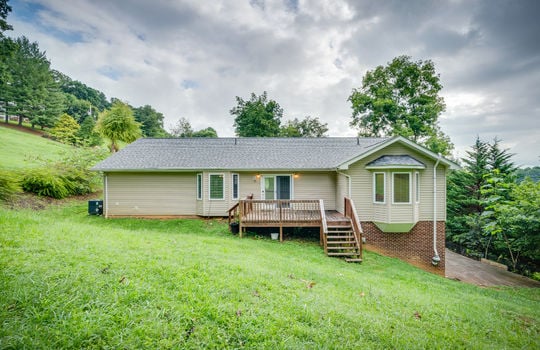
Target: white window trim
point(200, 185)
point(417, 186)
point(375, 188)
point(290, 175)
point(410, 188)
point(210, 187)
point(232, 186)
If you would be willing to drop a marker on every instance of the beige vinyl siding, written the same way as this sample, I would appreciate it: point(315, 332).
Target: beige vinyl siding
point(362, 189)
point(216, 207)
point(342, 191)
point(249, 185)
point(151, 194)
point(316, 186)
point(306, 185)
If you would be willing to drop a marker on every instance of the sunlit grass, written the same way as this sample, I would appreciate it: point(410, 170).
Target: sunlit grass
point(68, 280)
point(20, 150)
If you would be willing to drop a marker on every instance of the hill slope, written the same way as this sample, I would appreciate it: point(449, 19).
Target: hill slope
point(20, 150)
point(68, 280)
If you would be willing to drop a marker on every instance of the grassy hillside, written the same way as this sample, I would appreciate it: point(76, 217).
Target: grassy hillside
point(20, 150)
point(68, 280)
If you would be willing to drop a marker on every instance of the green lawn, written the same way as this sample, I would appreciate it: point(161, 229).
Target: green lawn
point(21, 150)
point(68, 280)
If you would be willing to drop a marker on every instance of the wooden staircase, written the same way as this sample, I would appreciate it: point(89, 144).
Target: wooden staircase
point(343, 239)
point(341, 242)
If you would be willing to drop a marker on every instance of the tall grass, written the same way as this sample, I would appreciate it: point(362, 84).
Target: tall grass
point(68, 280)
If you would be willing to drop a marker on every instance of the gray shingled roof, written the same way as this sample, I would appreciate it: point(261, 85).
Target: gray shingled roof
point(398, 161)
point(237, 153)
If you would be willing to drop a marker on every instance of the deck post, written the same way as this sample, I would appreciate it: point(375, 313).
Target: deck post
point(280, 205)
point(240, 214)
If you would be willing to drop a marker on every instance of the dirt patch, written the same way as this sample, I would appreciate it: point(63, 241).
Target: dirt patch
point(31, 201)
point(24, 129)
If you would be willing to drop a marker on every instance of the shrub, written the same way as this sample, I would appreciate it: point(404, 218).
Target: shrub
point(45, 182)
point(9, 185)
point(69, 177)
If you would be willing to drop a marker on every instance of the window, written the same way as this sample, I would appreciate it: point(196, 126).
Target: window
point(216, 186)
point(199, 186)
point(378, 185)
point(417, 186)
point(234, 186)
point(402, 187)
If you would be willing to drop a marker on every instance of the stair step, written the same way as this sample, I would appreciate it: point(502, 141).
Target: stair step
point(341, 247)
point(340, 237)
point(342, 242)
point(342, 254)
point(344, 231)
point(353, 260)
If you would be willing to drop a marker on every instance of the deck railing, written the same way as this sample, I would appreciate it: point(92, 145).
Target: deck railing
point(270, 212)
point(350, 212)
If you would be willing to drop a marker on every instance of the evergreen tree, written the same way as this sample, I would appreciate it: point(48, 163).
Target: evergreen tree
point(65, 130)
point(151, 121)
point(466, 201)
point(87, 133)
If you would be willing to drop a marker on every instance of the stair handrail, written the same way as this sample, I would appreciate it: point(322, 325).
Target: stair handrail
point(324, 226)
point(350, 212)
point(233, 212)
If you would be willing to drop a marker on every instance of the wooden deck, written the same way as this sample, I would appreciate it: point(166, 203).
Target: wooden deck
point(340, 234)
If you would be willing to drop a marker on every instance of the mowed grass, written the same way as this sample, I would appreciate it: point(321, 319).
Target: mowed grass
point(68, 280)
point(21, 150)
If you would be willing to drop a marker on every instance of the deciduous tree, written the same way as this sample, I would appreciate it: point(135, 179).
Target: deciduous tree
point(118, 124)
point(258, 116)
point(207, 132)
point(308, 127)
point(401, 98)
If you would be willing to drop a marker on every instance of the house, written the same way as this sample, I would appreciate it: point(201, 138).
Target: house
point(397, 188)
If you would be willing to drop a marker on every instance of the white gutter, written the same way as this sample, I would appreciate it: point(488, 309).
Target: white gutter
point(436, 259)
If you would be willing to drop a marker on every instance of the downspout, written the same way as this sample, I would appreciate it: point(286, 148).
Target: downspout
point(436, 258)
point(106, 190)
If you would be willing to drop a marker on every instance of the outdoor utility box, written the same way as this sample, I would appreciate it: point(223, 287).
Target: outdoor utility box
point(95, 207)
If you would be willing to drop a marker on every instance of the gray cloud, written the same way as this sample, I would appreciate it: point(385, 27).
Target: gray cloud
point(191, 58)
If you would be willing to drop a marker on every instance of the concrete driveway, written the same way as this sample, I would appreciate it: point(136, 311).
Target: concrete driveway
point(472, 271)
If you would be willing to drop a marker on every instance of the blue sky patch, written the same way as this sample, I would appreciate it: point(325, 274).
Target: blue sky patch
point(189, 84)
point(110, 72)
point(29, 12)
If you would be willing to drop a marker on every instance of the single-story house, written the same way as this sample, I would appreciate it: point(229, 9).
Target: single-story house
point(397, 187)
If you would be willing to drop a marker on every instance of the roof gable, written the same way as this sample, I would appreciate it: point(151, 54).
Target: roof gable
point(400, 161)
point(404, 141)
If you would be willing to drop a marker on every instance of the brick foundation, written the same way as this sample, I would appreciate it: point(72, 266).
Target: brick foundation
point(414, 247)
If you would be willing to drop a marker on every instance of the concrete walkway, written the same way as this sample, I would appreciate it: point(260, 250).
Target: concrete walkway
point(472, 271)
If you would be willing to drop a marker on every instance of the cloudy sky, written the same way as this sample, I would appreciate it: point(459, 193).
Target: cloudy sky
point(191, 58)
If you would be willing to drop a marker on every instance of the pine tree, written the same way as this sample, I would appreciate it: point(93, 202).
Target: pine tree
point(65, 130)
point(87, 133)
point(466, 195)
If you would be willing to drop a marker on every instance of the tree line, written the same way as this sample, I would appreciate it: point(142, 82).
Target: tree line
point(494, 213)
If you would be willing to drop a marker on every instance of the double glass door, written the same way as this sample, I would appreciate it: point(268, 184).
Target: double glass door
point(276, 187)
